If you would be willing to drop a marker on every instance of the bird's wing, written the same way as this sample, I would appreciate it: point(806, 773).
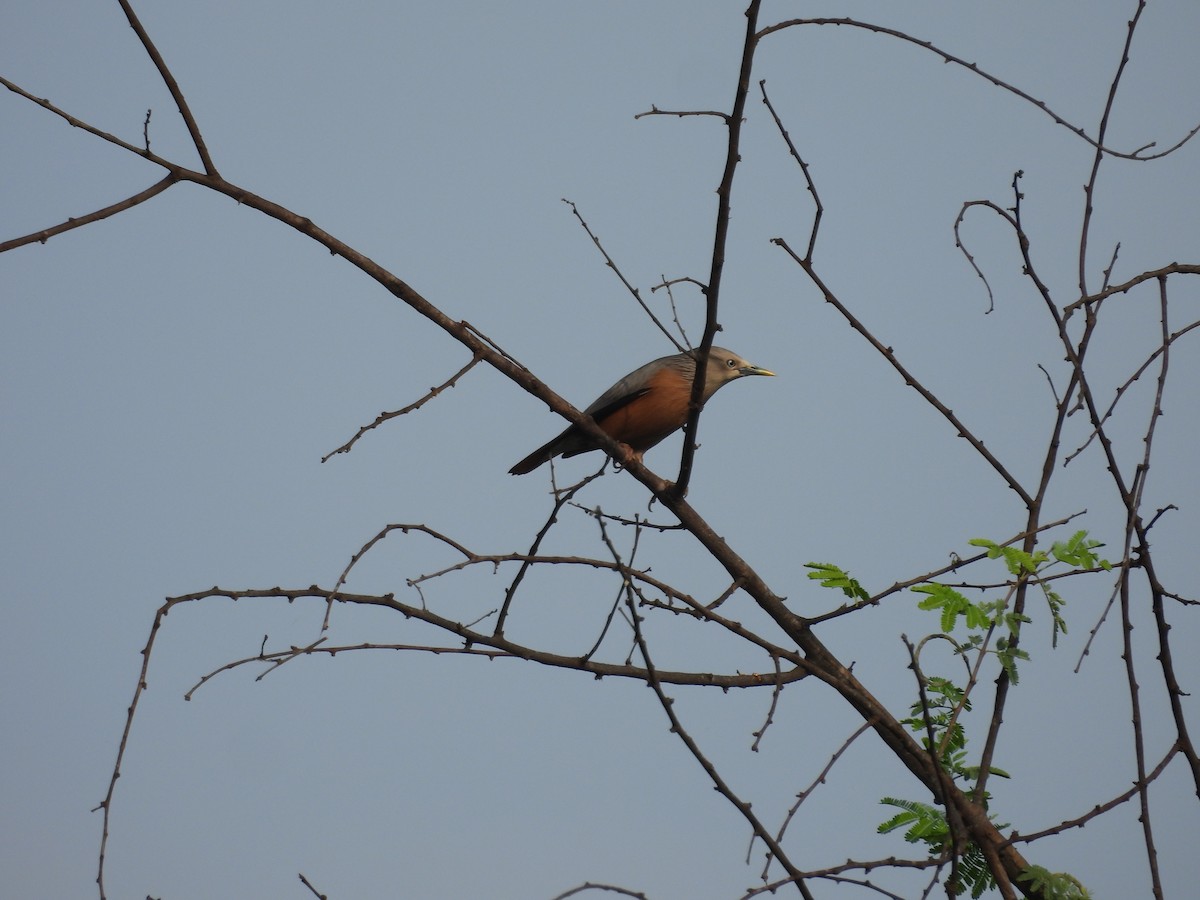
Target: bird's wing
point(572, 442)
point(636, 384)
point(603, 407)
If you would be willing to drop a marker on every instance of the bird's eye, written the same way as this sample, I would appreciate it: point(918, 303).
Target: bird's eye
point(731, 363)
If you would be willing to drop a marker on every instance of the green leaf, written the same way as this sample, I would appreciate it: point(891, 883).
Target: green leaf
point(832, 576)
point(947, 599)
point(926, 823)
point(977, 618)
point(972, 772)
point(1054, 885)
point(1077, 551)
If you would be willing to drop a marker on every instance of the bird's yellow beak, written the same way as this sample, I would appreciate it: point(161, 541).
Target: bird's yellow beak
point(754, 370)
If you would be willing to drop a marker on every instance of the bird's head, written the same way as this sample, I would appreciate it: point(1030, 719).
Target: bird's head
point(724, 366)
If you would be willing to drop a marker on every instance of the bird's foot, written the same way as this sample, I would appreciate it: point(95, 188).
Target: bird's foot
point(628, 454)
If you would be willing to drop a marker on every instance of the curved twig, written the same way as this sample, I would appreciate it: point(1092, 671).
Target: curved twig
point(819, 208)
point(974, 69)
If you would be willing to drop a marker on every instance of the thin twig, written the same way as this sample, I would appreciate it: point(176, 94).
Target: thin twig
point(719, 783)
point(961, 245)
point(819, 209)
point(1089, 189)
point(608, 261)
point(1137, 154)
point(1128, 383)
point(1099, 809)
point(164, 72)
point(681, 113)
point(412, 407)
point(807, 792)
point(598, 886)
point(909, 379)
point(308, 885)
point(775, 694)
point(40, 237)
point(561, 498)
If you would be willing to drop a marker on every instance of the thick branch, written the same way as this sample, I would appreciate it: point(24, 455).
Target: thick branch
point(720, 238)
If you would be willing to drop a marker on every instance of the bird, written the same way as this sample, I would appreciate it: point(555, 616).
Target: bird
point(645, 406)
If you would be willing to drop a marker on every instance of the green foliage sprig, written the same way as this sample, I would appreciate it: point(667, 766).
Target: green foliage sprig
point(1054, 885)
point(1076, 551)
point(831, 576)
point(926, 824)
point(936, 714)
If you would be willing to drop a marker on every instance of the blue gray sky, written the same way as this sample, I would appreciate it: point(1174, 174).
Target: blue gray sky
point(171, 378)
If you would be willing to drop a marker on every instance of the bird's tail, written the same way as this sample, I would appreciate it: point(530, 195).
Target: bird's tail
point(542, 454)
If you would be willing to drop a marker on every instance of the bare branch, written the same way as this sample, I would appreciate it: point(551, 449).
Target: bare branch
point(909, 379)
point(850, 865)
point(90, 129)
point(719, 783)
point(758, 735)
point(308, 885)
point(807, 792)
point(1099, 809)
point(1089, 189)
point(412, 407)
point(958, 241)
point(974, 69)
point(596, 886)
point(1125, 287)
point(1128, 383)
point(169, 80)
point(637, 295)
point(819, 210)
point(720, 238)
point(682, 113)
point(40, 237)
point(669, 284)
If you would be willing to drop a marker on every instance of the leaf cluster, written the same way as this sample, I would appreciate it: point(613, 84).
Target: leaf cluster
point(927, 824)
point(936, 714)
point(1054, 885)
point(832, 576)
point(1078, 552)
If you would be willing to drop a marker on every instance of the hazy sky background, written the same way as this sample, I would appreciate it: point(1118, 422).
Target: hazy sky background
point(170, 379)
